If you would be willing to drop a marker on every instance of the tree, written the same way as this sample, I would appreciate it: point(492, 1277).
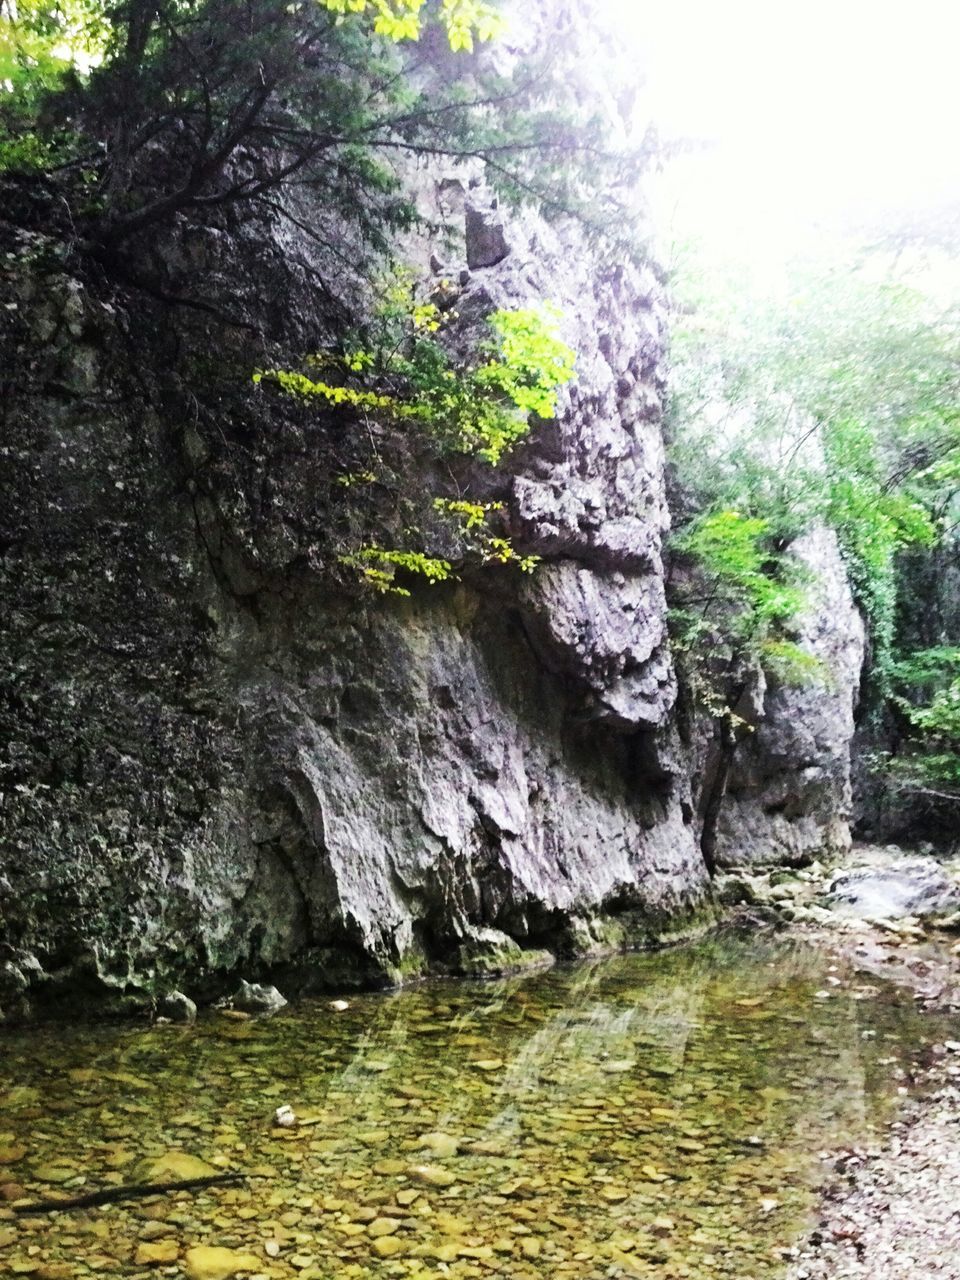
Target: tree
point(834, 401)
point(197, 107)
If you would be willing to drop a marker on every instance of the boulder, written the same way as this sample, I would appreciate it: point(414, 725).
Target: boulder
point(252, 998)
point(177, 1007)
point(904, 887)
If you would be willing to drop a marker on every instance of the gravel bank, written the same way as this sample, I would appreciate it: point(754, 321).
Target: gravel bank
point(895, 1216)
point(894, 1213)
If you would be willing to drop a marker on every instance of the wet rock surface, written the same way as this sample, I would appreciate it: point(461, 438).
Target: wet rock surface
point(220, 762)
point(177, 1008)
point(894, 887)
point(268, 777)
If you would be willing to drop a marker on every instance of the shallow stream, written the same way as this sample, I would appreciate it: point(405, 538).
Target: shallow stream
point(650, 1115)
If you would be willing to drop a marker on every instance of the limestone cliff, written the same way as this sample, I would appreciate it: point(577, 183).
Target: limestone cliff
point(789, 795)
point(215, 764)
point(216, 761)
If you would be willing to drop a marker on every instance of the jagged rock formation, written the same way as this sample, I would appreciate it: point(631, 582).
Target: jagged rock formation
point(789, 795)
point(216, 763)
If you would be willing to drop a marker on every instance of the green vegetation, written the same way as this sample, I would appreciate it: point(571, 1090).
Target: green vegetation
point(464, 20)
point(834, 401)
point(43, 48)
point(402, 373)
point(150, 114)
point(130, 131)
point(399, 378)
point(734, 601)
point(926, 687)
point(736, 607)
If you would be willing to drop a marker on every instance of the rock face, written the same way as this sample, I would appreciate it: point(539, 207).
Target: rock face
point(215, 763)
point(789, 796)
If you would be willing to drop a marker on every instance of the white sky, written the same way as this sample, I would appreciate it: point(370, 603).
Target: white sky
point(820, 111)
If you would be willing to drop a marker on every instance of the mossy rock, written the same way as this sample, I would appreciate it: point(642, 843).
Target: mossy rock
point(493, 954)
point(734, 891)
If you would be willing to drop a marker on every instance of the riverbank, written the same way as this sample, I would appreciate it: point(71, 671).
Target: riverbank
point(889, 1210)
point(894, 1214)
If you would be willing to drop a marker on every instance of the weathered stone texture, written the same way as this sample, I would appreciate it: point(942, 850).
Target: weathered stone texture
point(213, 764)
point(789, 796)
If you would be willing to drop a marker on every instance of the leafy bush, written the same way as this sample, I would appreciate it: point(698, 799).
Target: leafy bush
point(926, 691)
point(399, 379)
point(733, 612)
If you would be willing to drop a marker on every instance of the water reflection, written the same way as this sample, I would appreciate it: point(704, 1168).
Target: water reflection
point(647, 1115)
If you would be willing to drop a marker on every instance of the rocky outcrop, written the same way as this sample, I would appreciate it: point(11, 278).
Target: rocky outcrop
point(789, 795)
point(885, 885)
point(217, 761)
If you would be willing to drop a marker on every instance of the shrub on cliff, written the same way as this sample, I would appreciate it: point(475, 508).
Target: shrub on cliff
point(400, 381)
point(835, 401)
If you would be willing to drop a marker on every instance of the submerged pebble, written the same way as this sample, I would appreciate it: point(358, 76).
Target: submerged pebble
point(648, 1116)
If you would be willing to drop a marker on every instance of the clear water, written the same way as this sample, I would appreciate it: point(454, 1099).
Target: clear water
point(650, 1115)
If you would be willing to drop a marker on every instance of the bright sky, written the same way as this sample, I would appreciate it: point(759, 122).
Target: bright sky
point(820, 110)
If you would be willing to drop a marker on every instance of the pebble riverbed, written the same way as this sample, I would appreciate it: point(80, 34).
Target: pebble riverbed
point(662, 1115)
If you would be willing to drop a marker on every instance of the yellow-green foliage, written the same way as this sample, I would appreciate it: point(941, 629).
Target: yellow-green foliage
point(298, 384)
point(472, 518)
point(791, 664)
point(464, 20)
point(40, 43)
point(377, 566)
point(531, 361)
point(40, 40)
point(397, 377)
point(401, 372)
point(745, 576)
point(472, 515)
point(736, 610)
